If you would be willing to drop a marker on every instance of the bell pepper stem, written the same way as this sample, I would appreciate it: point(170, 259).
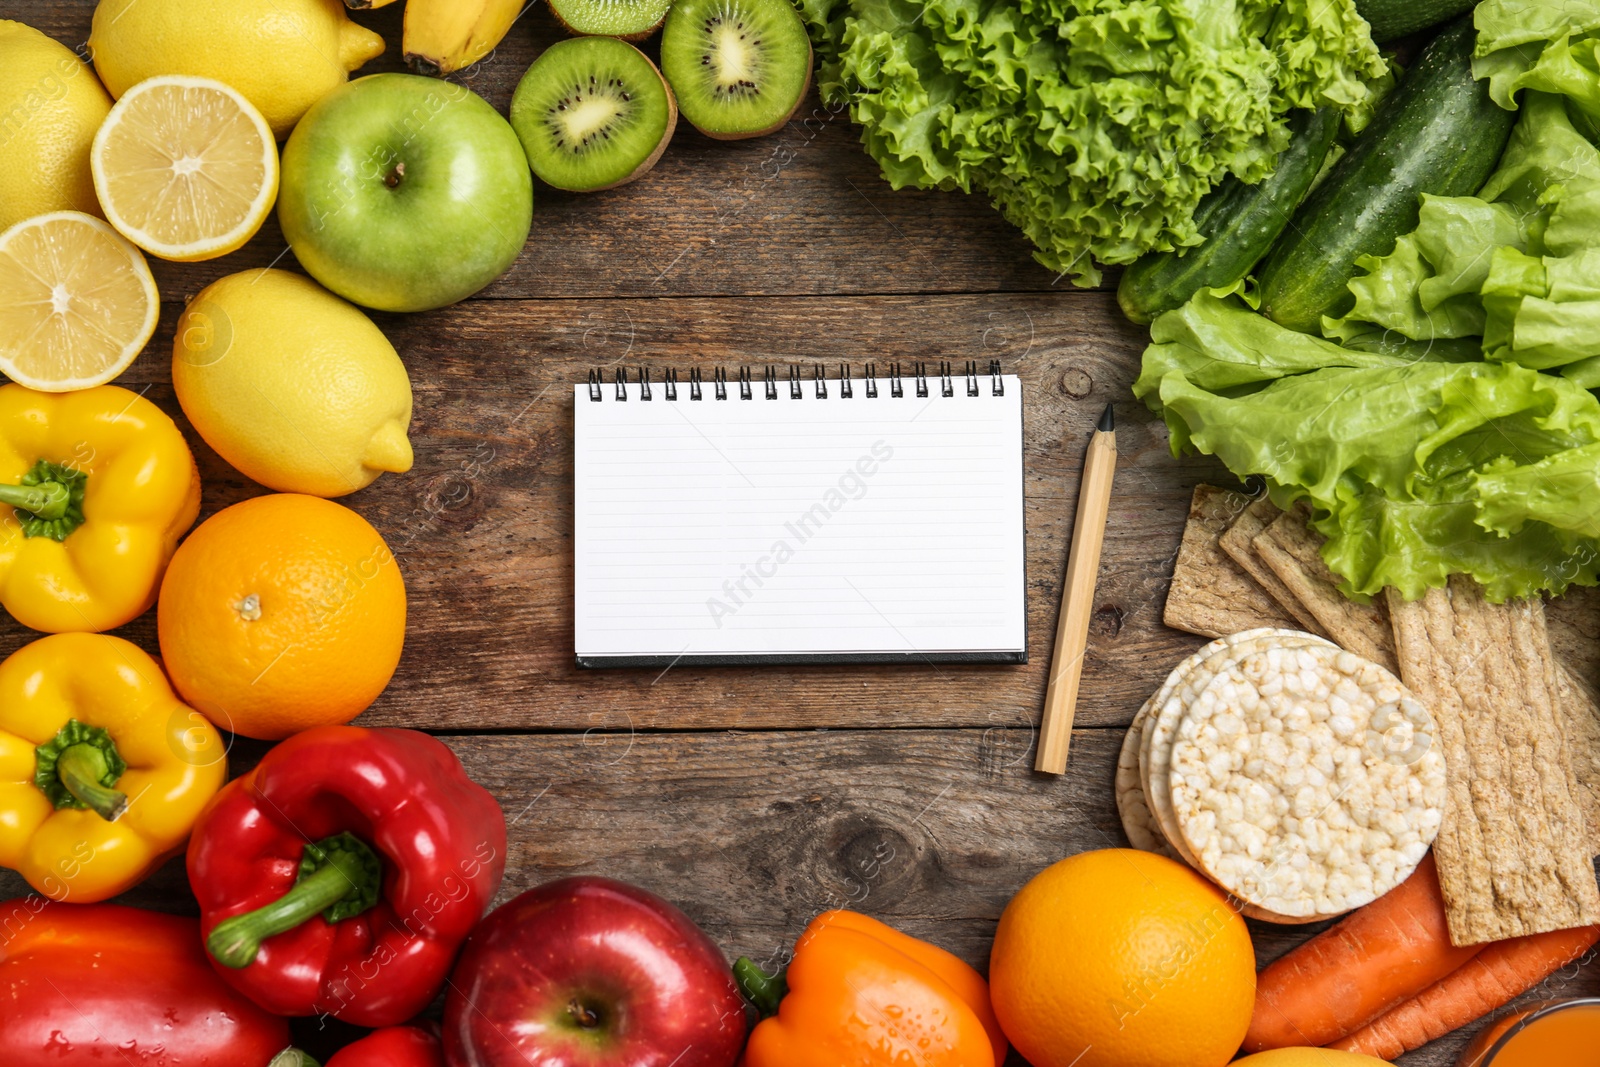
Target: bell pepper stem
point(339, 878)
point(82, 767)
point(293, 1057)
point(763, 990)
point(46, 501)
point(79, 768)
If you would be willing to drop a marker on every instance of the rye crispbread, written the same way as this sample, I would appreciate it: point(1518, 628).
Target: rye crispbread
point(1514, 854)
point(1238, 543)
point(1211, 595)
point(1291, 549)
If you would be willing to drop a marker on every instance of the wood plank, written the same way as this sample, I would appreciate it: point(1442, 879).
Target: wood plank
point(483, 524)
point(802, 211)
point(754, 834)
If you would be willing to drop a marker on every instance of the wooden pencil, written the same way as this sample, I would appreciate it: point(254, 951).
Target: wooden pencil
point(1077, 597)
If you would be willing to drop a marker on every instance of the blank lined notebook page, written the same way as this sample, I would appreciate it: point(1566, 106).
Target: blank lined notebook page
point(781, 530)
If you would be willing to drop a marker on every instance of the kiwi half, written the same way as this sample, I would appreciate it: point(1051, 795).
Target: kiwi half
point(739, 67)
point(593, 113)
point(631, 20)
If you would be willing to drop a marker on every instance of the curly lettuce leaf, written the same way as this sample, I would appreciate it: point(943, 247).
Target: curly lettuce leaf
point(1564, 66)
point(1505, 24)
point(1584, 373)
point(1557, 491)
point(1543, 312)
point(1427, 288)
point(1095, 126)
point(1217, 347)
point(1368, 337)
point(1415, 469)
point(1545, 150)
point(1528, 44)
point(1574, 220)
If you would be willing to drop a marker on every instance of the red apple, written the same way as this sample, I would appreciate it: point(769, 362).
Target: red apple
point(589, 972)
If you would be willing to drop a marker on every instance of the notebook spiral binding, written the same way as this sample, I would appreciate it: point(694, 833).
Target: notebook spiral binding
point(845, 382)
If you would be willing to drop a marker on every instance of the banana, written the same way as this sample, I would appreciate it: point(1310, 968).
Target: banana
point(445, 35)
point(366, 5)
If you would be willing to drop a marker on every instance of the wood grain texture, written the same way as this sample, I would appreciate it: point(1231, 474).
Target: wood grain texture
point(754, 834)
point(483, 524)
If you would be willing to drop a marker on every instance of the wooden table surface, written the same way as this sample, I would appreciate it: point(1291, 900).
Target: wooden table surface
point(753, 798)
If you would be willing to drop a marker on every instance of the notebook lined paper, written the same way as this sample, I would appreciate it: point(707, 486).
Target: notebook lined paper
point(795, 530)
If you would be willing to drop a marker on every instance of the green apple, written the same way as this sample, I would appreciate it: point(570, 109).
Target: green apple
point(404, 193)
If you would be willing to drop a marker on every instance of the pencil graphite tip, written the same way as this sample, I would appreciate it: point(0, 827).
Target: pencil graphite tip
point(1108, 420)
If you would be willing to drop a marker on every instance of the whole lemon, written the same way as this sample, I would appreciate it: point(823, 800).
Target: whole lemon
point(1121, 958)
point(51, 104)
point(1309, 1057)
point(293, 386)
point(283, 55)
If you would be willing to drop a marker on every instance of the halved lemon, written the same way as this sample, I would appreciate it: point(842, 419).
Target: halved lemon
point(77, 302)
point(186, 168)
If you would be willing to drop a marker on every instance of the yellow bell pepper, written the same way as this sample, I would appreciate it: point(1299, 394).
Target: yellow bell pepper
point(103, 771)
point(100, 485)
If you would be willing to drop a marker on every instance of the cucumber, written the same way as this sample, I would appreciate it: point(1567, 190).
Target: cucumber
point(1396, 18)
point(1239, 223)
point(1438, 132)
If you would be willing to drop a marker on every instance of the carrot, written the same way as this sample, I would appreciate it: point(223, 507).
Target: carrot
point(1499, 974)
point(1379, 956)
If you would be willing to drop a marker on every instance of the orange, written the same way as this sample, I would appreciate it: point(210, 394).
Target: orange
point(1120, 958)
point(282, 613)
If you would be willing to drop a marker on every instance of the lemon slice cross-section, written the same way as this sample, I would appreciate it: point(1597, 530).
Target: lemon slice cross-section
point(185, 168)
point(77, 302)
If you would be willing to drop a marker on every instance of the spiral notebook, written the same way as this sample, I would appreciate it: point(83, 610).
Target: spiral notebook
point(793, 517)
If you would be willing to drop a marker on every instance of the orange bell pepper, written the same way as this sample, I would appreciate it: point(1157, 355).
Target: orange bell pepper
point(862, 994)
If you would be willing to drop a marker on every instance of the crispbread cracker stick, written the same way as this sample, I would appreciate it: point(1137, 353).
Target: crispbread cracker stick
point(1513, 854)
point(1292, 550)
point(1238, 542)
point(1573, 619)
point(1581, 723)
point(1211, 595)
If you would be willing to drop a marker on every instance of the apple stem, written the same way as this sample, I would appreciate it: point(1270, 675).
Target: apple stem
point(395, 176)
point(760, 988)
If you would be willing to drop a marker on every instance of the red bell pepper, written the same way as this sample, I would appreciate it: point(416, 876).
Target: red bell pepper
point(341, 876)
point(398, 1046)
point(102, 984)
